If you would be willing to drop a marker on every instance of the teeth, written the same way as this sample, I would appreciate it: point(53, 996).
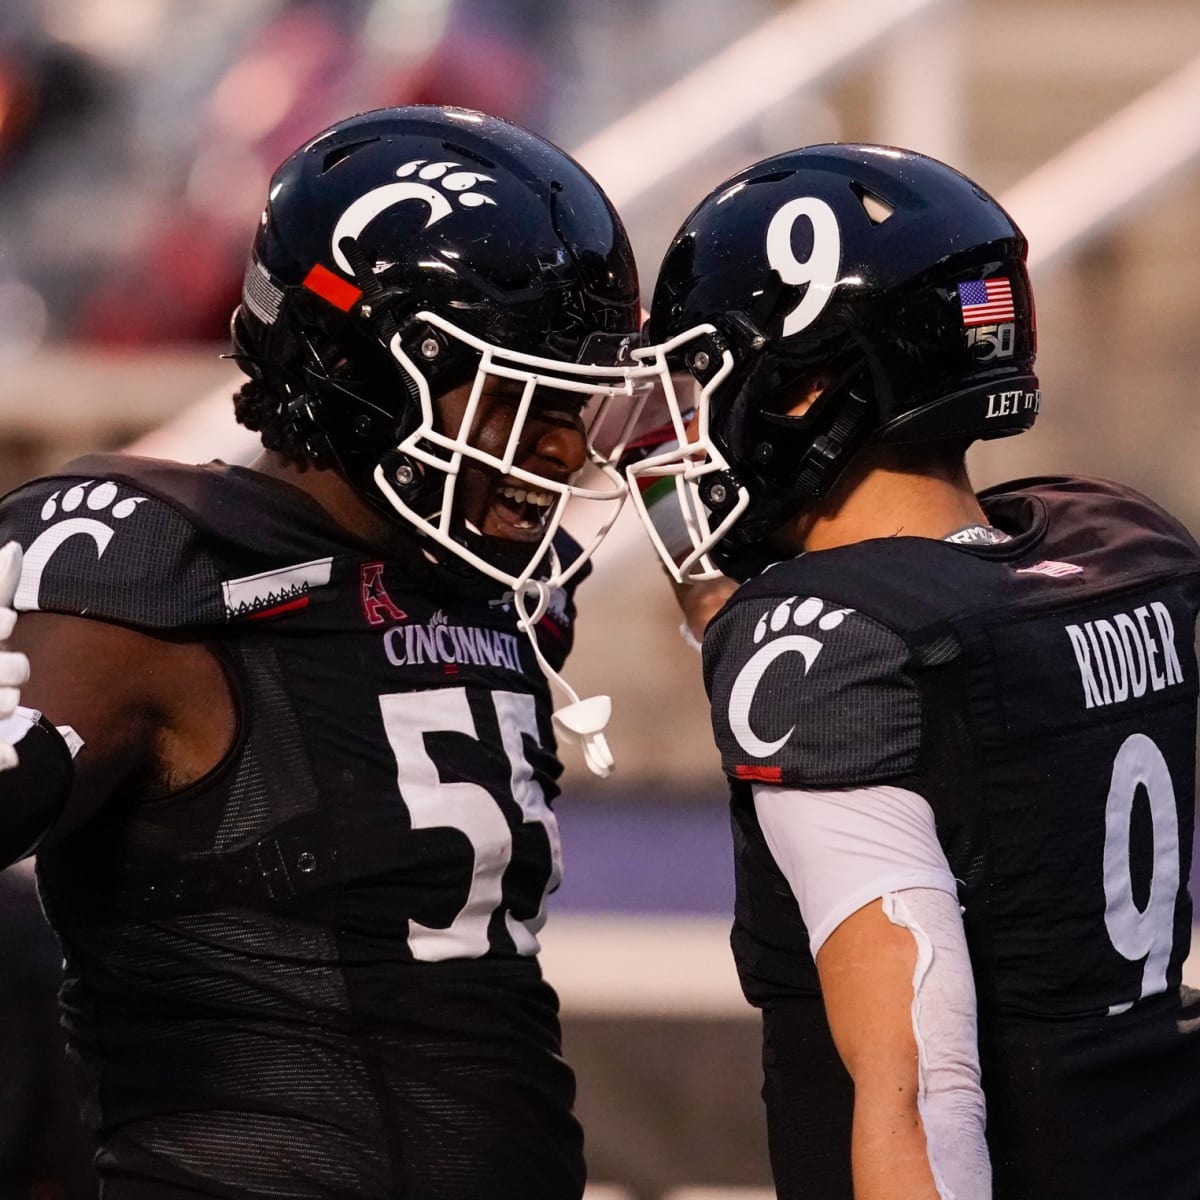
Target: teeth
point(526, 495)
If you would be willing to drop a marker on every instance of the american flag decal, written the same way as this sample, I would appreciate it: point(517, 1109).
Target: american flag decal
point(1049, 566)
point(986, 301)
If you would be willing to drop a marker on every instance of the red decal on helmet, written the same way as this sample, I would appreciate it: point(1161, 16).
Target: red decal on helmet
point(333, 288)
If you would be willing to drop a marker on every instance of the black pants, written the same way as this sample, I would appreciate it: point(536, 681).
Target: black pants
point(810, 1102)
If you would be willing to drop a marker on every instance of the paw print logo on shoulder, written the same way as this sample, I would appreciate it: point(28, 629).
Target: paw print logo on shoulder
point(778, 633)
point(801, 613)
point(87, 509)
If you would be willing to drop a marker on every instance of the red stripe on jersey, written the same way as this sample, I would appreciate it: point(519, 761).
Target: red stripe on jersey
point(762, 774)
point(340, 293)
point(290, 606)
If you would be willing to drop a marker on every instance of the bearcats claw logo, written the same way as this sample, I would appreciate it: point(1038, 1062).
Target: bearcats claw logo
point(100, 499)
point(367, 207)
point(790, 614)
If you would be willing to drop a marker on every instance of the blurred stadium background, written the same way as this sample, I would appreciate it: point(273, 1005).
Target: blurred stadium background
point(135, 140)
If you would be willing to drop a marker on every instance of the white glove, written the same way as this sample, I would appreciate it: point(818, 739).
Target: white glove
point(14, 668)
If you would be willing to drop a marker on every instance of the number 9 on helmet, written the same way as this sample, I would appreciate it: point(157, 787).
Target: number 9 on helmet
point(883, 288)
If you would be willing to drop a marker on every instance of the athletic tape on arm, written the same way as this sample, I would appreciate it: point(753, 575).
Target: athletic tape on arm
point(950, 1094)
point(14, 667)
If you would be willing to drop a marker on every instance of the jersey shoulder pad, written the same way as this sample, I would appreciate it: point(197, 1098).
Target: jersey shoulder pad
point(1081, 500)
point(101, 547)
point(1106, 527)
point(145, 543)
point(808, 692)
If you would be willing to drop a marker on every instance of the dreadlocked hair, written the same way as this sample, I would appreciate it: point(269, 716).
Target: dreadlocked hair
point(258, 407)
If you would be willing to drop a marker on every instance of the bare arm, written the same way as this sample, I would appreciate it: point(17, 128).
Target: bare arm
point(700, 602)
point(866, 968)
point(154, 714)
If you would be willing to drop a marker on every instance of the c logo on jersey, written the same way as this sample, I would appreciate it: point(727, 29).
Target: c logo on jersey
point(98, 499)
point(745, 687)
point(367, 207)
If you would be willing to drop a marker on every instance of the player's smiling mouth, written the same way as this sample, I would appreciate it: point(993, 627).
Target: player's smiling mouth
point(518, 511)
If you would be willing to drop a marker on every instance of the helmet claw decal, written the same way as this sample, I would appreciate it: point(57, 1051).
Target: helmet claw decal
point(368, 206)
point(381, 282)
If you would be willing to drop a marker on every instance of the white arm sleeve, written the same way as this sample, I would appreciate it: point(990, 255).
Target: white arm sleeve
point(841, 850)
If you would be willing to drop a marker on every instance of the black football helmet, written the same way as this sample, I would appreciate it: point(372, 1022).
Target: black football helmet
point(408, 251)
point(883, 277)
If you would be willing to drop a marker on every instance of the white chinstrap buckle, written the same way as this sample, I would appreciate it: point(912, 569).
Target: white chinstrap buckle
point(579, 721)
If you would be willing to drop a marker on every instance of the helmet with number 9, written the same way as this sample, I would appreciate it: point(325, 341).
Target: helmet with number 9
point(880, 280)
point(406, 252)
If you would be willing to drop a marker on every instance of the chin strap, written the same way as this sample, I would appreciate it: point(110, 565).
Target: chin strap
point(580, 721)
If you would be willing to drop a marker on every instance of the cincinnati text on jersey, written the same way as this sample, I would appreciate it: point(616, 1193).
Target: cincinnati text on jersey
point(440, 642)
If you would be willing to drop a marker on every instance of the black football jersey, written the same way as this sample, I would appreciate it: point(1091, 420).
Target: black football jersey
point(313, 973)
point(1041, 694)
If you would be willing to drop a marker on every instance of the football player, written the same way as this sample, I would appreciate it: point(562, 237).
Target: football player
point(959, 729)
point(287, 755)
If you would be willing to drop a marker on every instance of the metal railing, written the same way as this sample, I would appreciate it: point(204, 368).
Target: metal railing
point(1080, 194)
point(806, 46)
